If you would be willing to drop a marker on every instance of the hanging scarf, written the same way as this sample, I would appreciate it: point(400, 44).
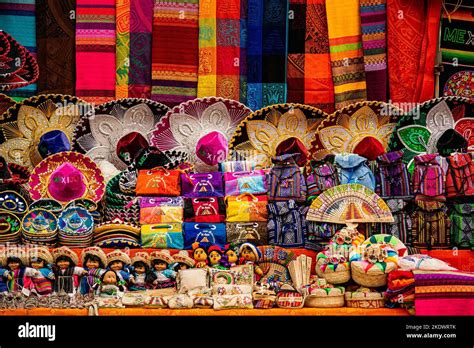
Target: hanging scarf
point(55, 40)
point(133, 66)
point(267, 52)
point(345, 46)
point(457, 53)
point(175, 51)
point(412, 32)
point(18, 18)
point(95, 50)
point(309, 66)
point(373, 17)
point(219, 49)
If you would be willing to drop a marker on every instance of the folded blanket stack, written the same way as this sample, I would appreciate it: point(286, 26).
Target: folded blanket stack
point(401, 290)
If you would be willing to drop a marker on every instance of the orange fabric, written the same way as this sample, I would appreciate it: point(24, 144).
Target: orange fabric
point(158, 182)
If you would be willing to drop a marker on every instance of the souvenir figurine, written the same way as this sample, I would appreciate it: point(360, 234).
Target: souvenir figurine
point(161, 276)
point(182, 261)
point(41, 260)
point(230, 255)
point(66, 273)
point(215, 257)
point(249, 255)
point(109, 285)
point(93, 261)
point(199, 255)
point(16, 273)
point(140, 268)
point(119, 262)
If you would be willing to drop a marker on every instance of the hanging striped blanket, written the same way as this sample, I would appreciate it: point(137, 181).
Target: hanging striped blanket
point(175, 61)
point(345, 46)
point(95, 50)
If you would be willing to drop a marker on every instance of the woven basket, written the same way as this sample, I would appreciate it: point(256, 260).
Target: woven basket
point(290, 300)
point(341, 275)
point(321, 299)
point(364, 299)
point(374, 277)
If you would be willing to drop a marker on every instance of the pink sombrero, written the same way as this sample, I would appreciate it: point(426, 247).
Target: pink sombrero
point(67, 176)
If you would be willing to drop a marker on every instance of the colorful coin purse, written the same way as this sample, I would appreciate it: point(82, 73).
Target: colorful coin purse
point(156, 210)
point(202, 185)
point(162, 236)
point(158, 182)
point(204, 233)
point(247, 207)
point(209, 209)
point(253, 182)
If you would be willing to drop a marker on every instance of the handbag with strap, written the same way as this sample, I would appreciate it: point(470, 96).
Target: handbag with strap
point(286, 181)
point(204, 209)
point(197, 185)
point(428, 177)
point(430, 225)
point(393, 175)
point(247, 207)
point(254, 182)
point(462, 225)
point(158, 182)
point(156, 210)
point(353, 169)
point(162, 236)
point(460, 175)
point(402, 225)
point(322, 176)
point(206, 234)
point(242, 232)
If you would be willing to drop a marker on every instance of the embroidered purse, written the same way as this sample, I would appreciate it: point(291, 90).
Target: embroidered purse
point(247, 207)
point(393, 175)
point(205, 234)
point(242, 232)
point(462, 225)
point(202, 185)
point(323, 175)
point(460, 175)
point(209, 209)
point(286, 180)
point(156, 210)
point(253, 182)
point(162, 236)
point(158, 182)
point(430, 225)
point(286, 224)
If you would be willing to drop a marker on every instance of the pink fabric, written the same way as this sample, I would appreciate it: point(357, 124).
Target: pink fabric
point(451, 306)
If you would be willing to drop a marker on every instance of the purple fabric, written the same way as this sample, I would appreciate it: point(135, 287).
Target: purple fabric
point(202, 185)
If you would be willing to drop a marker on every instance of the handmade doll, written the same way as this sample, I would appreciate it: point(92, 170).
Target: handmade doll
point(65, 271)
point(140, 268)
point(41, 260)
point(249, 255)
point(199, 255)
point(93, 261)
point(16, 273)
point(182, 261)
point(230, 255)
point(161, 276)
point(119, 262)
point(108, 285)
point(215, 257)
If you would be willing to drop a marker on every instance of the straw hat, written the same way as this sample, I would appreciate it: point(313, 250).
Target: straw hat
point(65, 251)
point(15, 251)
point(96, 251)
point(183, 257)
point(118, 255)
point(163, 255)
point(42, 253)
point(141, 256)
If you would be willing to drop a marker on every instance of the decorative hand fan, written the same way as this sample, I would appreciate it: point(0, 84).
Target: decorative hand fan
point(259, 135)
point(350, 204)
point(274, 262)
point(363, 128)
point(117, 130)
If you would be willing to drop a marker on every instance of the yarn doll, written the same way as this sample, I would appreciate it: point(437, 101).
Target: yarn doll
point(199, 255)
point(41, 260)
point(66, 273)
point(230, 255)
point(161, 276)
point(108, 285)
point(119, 262)
point(249, 255)
point(93, 261)
point(182, 261)
point(215, 257)
point(16, 273)
point(140, 268)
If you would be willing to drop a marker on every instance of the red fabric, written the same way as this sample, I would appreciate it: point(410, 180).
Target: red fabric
point(369, 148)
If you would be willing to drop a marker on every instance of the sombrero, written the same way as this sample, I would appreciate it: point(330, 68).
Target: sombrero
point(5, 103)
point(12, 174)
point(117, 234)
point(118, 255)
point(65, 251)
point(39, 226)
point(16, 251)
point(259, 135)
point(141, 256)
point(67, 176)
point(201, 128)
point(10, 228)
point(163, 255)
point(18, 68)
point(76, 227)
point(40, 126)
point(362, 128)
point(422, 128)
point(96, 251)
point(41, 253)
point(183, 257)
point(117, 130)
point(13, 202)
point(48, 204)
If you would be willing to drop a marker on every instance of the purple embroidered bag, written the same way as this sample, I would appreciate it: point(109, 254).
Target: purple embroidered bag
point(198, 185)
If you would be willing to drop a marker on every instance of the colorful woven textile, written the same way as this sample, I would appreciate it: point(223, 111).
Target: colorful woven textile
point(457, 53)
point(175, 51)
point(444, 293)
point(133, 24)
point(412, 32)
point(309, 66)
point(18, 18)
point(266, 52)
point(373, 17)
point(345, 46)
point(55, 40)
point(219, 49)
point(95, 50)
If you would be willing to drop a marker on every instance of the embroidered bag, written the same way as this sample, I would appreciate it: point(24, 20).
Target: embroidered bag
point(202, 185)
point(205, 233)
point(247, 207)
point(286, 224)
point(319, 234)
point(242, 232)
point(462, 225)
point(323, 175)
point(253, 182)
point(286, 180)
point(353, 169)
point(158, 182)
point(460, 175)
point(205, 209)
point(401, 227)
point(430, 225)
point(393, 175)
point(156, 210)
point(428, 178)
point(236, 166)
point(162, 236)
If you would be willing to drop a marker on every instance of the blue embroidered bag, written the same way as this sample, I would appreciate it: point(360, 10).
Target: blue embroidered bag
point(353, 169)
point(286, 224)
point(204, 233)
